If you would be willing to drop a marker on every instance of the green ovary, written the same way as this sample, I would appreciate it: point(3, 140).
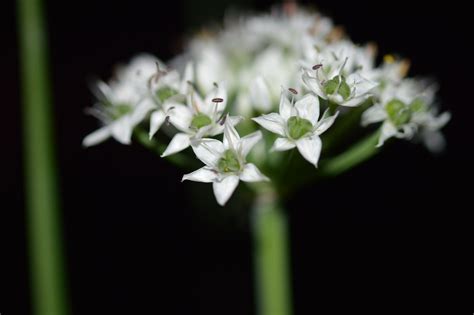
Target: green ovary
point(164, 93)
point(398, 112)
point(200, 120)
point(228, 162)
point(298, 127)
point(338, 85)
point(120, 110)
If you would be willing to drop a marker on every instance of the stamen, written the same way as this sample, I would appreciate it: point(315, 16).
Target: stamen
point(292, 90)
point(167, 120)
point(222, 120)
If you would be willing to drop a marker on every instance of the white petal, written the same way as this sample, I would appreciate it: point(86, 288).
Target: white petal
point(285, 105)
point(179, 142)
point(187, 77)
point(252, 174)
point(208, 107)
point(434, 141)
point(308, 108)
point(122, 130)
point(388, 131)
point(209, 151)
point(225, 188)
point(156, 120)
point(218, 129)
point(325, 123)
point(180, 116)
point(260, 95)
point(204, 174)
point(310, 148)
point(361, 84)
point(97, 136)
point(272, 122)
point(314, 85)
point(247, 142)
point(140, 112)
point(282, 144)
point(373, 114)
point(353, 101)
point(231, 136)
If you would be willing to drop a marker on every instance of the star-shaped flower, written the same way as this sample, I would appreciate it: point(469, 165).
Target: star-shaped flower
point(225, 162)
point(406, 110)
point(197, 119)
point(336, 87)
point(123, 102)
point(298, 125)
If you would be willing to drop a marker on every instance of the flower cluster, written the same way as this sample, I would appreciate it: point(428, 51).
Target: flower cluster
point(291, 72)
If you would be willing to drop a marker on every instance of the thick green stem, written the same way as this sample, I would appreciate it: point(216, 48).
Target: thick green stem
point(271, 255)
point(43, 224)
point(358, 153)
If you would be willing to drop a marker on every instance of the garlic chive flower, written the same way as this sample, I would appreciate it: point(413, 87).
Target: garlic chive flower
point(197, 119)
point(122, 103)
point(225, 162)
point(406, 111)
point(338, 89)
point(298, 125)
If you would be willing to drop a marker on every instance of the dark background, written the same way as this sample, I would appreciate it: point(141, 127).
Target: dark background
point(395, 230)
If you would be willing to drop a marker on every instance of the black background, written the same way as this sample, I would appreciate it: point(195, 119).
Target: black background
point(395, 230)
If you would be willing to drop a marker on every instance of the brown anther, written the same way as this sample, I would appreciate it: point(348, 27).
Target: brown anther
point(292, 90)
point(316, 67)
point(222, 120)
point(217, 100)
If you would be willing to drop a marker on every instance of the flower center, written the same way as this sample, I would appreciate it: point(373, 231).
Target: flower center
point(120, 110)
point(417, 106)
point(165, 92)
point(298, 127)
point(200, 120)
point(398, 112)
point(338, 85)
point(228, 162)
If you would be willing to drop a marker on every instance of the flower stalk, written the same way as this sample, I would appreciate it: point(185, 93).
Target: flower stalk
point(42, 204)
point(271, 254)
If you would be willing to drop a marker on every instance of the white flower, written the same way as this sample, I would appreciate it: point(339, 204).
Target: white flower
point(406, 109)
point(197, 119)
point(298, 126)
point(335, 87)
point(225, 162)
point(124, 102)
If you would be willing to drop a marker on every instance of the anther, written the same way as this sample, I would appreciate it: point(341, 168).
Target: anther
point(292, 90)
point(316, 67)
point(217, 100)
point(222, 120)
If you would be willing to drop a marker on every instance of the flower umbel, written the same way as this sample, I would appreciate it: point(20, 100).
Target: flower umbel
point(251, 58)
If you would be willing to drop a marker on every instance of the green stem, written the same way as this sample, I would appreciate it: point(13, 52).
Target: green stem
point(271, 255)
point(42, 205)
point(358, 153)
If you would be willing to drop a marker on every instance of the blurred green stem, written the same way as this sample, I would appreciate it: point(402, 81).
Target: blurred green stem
point(271, 254)
point(355, 155)
point(43, 224)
